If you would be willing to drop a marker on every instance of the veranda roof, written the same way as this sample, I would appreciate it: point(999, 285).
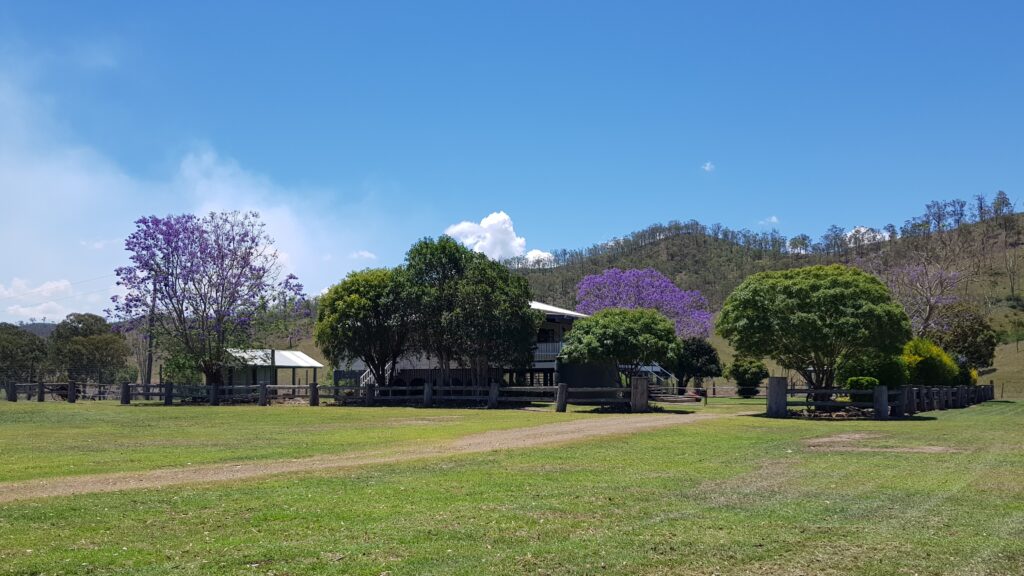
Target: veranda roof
point(282, 358)
point(549, 309)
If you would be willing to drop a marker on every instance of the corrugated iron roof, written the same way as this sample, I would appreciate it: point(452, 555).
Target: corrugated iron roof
point(549, 309)
point(282, 358)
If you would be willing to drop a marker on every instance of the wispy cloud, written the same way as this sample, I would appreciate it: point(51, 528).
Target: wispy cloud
point(362, 255)
point(708, 166)
point(769, 221)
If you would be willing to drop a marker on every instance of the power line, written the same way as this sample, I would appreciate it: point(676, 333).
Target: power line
point(76, 283)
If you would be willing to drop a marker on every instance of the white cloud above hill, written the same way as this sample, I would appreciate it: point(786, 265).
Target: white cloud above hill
point(494, 236)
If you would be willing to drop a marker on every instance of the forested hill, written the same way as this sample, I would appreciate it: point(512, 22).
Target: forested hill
point(965, 251)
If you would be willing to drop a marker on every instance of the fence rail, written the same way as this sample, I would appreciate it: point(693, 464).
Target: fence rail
point(884, 403)
point(426, 393)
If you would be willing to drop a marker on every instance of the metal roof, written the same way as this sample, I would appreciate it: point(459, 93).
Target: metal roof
point(282, 358)
point(549, 309)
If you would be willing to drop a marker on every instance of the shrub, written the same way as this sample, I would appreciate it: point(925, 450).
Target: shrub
point(748, 374)
point(889, 370)
point(862, 383)
point(929, 365)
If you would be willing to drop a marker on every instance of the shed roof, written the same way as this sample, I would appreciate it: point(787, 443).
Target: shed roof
point(555, 310)
point(282, 358)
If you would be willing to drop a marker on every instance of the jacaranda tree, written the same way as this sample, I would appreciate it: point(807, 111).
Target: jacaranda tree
point(203, 281)
point(647, 288)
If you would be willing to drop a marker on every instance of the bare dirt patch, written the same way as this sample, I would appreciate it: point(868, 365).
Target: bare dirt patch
point(545, 435)
point(847, 443)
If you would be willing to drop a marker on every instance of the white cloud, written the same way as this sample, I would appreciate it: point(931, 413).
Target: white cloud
point(494, 236)
point(48, 310)
point(21, 289)
point(362, 255)
point(708, 166)
point(769, 221)
point(540, 258)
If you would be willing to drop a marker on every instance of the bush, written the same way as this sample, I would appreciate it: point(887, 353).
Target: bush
point(929, 365)
point(862, 383)
point(967, 376)
point(891, 371)
point(748, 374)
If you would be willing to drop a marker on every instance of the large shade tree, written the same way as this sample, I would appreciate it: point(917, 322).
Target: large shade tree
point(807, 319)
point(647, 288)
point(499, 327)
point(85, 348)
point(21, 354)
point(630, 338)
point(367, 316)
point(201, 282)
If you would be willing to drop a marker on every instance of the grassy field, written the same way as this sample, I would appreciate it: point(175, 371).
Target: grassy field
point(940, 494)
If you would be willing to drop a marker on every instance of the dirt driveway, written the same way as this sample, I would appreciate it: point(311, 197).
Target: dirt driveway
point(544, 435)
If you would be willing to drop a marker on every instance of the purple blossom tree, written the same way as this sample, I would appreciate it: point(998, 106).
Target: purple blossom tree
point(200, 284)
point(647, 288)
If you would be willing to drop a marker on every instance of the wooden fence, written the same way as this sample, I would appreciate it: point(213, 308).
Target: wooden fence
point(885, 403)
point(424, 393)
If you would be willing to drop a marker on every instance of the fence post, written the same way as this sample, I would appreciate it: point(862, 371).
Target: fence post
point(911, 396)
point(428, 391)
point(638, 400)
point(40, 391)
point(881, 402)
point(168, 391)
point(778, 387)
point(263, 394)
point(72, 392)
point(492, 395)
point(562, 397)
point(11, 391)
point(314, 394)
point(126, 393)
point(213, 392)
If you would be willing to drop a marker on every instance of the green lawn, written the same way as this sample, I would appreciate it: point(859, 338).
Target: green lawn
point(740, 495)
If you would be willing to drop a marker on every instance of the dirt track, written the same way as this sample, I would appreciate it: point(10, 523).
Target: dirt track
point(544, 435)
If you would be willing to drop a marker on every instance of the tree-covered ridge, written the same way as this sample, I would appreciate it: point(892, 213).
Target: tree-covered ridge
point(956, 250)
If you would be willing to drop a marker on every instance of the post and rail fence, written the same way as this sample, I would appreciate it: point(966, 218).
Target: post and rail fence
point(884, 403)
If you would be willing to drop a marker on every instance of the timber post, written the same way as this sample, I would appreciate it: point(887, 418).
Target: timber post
point(126, 393)
point(638, 399)
point(562, 397)
point(40, 391)
point(12, 392)
point(72, 392)
point(168, 390)
point(492, 394)
point(940, 398)
point(778, 387)
point(214, 396)
point(314, 394)
point(881, 402)
point(911, 395)
point(262, 401)
point(428, 391)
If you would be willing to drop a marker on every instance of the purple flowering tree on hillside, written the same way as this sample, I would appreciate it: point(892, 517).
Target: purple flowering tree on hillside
point(647, 288)
point(201, 285)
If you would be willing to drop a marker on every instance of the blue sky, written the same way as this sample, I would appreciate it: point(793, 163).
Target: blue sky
point(356, 128)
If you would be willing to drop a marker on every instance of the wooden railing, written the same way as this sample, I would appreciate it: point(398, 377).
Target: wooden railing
point(884, 403)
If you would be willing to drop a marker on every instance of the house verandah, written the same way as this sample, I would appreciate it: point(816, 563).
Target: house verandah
point(414, 373)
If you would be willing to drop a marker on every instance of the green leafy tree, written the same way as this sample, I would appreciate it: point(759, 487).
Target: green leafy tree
point(498, 326)
point(630, 338)
point(807, 319)
point(748, 374)
point(965, 334)
point(436, 269)
point(85, 348)
point(21, 354)
point(696, 359)
point(929, 365)
point(367, 316)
